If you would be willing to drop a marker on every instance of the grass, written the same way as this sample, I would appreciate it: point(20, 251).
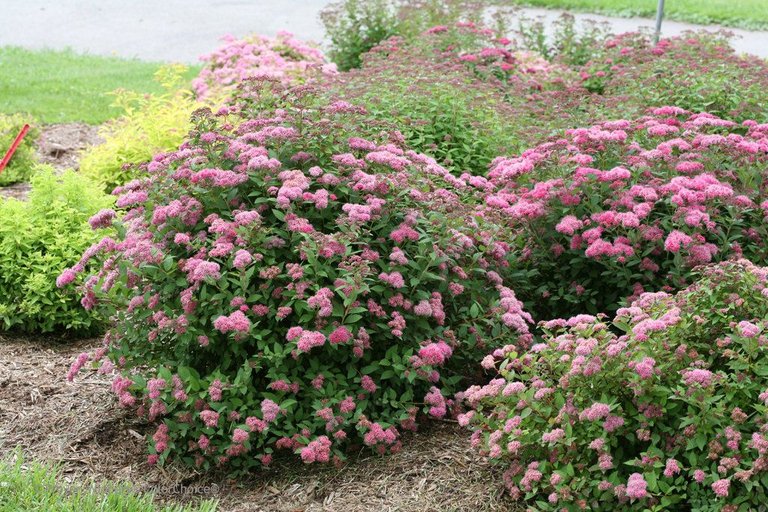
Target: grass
point(750, 14)
point(33, 487)
point(64, 86)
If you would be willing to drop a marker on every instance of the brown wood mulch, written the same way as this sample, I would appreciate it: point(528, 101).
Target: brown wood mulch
point(59, 145)
point(79, 426)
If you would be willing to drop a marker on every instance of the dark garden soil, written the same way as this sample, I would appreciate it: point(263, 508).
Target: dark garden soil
point(59, 145)
point(79, 425)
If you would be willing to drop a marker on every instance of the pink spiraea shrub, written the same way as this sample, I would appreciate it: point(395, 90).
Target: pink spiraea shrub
point(488, 55)
point(671, 413)
point(700, 72)
point(267, 295)
point(255, 56)
point(452, 92)
point(623, 206)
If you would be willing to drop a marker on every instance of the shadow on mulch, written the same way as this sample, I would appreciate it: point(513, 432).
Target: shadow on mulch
point(80, 426)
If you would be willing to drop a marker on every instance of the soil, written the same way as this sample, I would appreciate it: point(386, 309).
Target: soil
point(80, 426)
point(17, 191)
point(59, 145)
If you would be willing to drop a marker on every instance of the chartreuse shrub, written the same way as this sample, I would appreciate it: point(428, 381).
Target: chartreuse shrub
point(32, 486)
point(39, 238)
point(150, 124)
point(276, 284)
point(611, 210)
point(20, 167)
point(669, 414)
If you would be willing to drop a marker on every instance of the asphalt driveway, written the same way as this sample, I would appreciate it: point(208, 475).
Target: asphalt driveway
point(181, 30)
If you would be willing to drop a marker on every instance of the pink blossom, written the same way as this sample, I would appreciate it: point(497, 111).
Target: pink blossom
point(368, 385)
point(235, 322)
point(309, 340)
point(269, 410)
point(103, 219)
point(636, 486)
point(347, 405)
point(340, 335)
point(434, 354)
point(242, 259)
point(748, 329)
point(210, 418)
point(394, 279)
point(318, 450)
point(672, 468)
point(214, 390)
point(699, 376)
point(66, 277)
point(239, 436)
point(553, 436)
point(721, 487)
point(677, 240)
point(595, 412)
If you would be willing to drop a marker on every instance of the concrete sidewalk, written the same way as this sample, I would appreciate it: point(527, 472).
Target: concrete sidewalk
point(157, 30)
point(181, 30)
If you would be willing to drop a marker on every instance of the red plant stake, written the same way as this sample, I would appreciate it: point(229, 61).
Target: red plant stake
point(14, 146)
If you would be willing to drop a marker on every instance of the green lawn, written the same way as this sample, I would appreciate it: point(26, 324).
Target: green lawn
point(32, 487)
point(63, 86)
point(752, 14)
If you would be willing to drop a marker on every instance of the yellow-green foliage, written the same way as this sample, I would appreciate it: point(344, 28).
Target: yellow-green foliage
point(151, 124)
point(20, 167)
point(39, 238)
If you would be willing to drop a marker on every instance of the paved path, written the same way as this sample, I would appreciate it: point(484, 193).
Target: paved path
point(181, 30)
point(167, 30)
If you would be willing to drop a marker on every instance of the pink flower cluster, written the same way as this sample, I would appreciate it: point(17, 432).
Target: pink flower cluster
point(626, 399)
point(262, 259)
point(283, 57)
point(666, 203)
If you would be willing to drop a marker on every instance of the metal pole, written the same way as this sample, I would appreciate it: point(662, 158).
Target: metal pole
point(659, 17)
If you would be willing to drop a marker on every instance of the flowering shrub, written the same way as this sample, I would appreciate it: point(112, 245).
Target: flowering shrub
point(283, 57)
point(671, 414)
point(452, 92)
point(150, 124)
point(697, 71)
point(39, 238)
point(439, 107)
point(20, 167)
point(563, 41)
point(277, 284)
point(354, 27)
point(610, 210)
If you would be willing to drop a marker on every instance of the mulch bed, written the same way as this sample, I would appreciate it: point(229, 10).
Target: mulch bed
point(80, 426)
point(60, 146)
